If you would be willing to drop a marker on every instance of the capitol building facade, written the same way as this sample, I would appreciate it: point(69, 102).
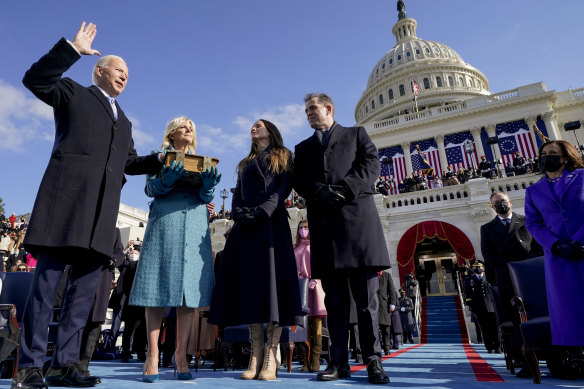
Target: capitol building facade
point(422, 97)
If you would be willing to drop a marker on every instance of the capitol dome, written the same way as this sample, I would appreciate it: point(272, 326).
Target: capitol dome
point(441, 74)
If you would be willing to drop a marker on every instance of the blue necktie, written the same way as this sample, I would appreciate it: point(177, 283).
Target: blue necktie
point(114, 109)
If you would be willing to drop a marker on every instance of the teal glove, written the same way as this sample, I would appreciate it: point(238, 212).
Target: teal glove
point(172, 173)
point(210, 178)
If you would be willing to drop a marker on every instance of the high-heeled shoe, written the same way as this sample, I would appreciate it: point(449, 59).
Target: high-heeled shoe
point(150, 378)
point(182, 376)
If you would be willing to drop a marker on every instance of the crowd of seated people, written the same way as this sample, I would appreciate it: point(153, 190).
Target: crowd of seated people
point(450, 176)
point(14, 256)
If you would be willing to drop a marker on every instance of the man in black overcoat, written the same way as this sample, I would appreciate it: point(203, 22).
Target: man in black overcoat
point(76, 207)
point(335, 170)
point(506, 239)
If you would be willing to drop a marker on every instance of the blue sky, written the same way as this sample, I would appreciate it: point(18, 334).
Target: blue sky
point(227, 63)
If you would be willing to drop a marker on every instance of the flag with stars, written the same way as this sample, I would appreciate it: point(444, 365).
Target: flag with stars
point(395, 171)
point(515, 136)
point(456, 155)
point(430, 165)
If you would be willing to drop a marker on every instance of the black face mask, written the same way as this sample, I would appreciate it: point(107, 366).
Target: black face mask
point(550, 163)
point(502, 208)
point(479, 271)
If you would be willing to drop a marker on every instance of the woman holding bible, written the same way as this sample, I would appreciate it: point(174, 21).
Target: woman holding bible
point(176, 262)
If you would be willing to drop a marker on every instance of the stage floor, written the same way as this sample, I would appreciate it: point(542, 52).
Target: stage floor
point(428, 366)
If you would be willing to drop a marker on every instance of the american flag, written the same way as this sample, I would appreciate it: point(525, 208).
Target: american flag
point(515, 136)
point(395, 171)
point(210, 208)
point(415, 88)
point(428, 147)
point(455, 153)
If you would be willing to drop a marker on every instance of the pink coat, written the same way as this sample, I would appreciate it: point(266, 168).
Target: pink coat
point(30, 261)
point(316, 293)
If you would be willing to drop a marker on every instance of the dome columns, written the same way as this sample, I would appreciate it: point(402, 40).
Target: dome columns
point(492, 131)
point(441, 152)
point(476, 135)
point(551, 125)
point(408, 158)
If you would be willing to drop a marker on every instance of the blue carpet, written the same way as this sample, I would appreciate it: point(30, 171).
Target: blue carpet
point(442, 320)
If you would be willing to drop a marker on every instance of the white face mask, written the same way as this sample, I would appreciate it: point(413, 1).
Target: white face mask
point(133, 257)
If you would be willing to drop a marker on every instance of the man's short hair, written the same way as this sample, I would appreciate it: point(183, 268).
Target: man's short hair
point(496, 193)
point(103, 62)
point(322, 98)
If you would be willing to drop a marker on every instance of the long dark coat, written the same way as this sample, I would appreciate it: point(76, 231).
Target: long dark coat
point(105, 281)
point(258, 281)
point(387, 297)
point(406, 317)
point(79, 196)
point(351, 237)
point(554, 214)
point(500, 246)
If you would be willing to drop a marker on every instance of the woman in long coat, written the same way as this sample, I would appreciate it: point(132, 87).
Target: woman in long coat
point(258, 280)
point(176, 262)
point(554, 215)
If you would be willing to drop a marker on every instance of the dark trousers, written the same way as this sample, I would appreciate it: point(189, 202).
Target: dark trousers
point(77, 301)
point(364, 288)
point(488, 324)
point(88, 342)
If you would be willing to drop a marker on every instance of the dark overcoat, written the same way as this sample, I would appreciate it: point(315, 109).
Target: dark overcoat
point(554, 214)
point(500, 245)
point(79, 196)
point(351, 237)
point(105, 281)
point(387, 297)
point(406, 317)
point(258, 281)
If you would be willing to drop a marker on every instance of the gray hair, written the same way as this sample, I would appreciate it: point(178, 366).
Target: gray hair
point(103, 62)
point(322, 98)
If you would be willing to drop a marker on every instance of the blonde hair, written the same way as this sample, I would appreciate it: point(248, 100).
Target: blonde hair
point(279, 157)
point(171, 127)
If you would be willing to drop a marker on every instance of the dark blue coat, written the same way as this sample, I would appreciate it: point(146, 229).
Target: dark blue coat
point(550, 218)
point(79, 196)
point(351, 237)
point(258, 281)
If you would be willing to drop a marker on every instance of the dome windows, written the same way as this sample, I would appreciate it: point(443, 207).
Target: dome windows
point(372, 105)
point(390, 94)
point(402, 90)
point(418, 51)
point(450, 81)
point(427, 50)
point(439, 81)
point(408, 54)
point(390, 61)
point(436, 50)
point(399, 57)
point(426, 83)
point(383, 65)
point(380, 99)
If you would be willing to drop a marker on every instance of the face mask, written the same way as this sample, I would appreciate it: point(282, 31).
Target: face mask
point(502, 207)
point(303, 233)
point(550, 163)
point(479, 271)
point(133, 257)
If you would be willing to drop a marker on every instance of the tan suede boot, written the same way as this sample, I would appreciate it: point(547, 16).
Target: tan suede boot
point(315, 342)
point(270, 367)
point(256, 357)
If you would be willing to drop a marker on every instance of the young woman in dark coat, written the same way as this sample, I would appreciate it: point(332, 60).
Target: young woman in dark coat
point(258, 280)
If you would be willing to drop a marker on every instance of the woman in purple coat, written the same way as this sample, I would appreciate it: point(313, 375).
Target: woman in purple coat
point(554, 215)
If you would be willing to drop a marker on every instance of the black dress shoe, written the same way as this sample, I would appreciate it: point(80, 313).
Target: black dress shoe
point(70, 375)
point(375, 372)
point(358, 358)
point(524, 373)
point(28, 378)
point(333, 373)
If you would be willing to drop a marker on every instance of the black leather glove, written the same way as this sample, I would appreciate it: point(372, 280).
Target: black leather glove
point(568, 250)
point(112, 265)
point(331, 196)
point(237, 213)
point(249, 215)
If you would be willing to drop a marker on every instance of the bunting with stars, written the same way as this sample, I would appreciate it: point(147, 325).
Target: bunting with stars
point(515, 136)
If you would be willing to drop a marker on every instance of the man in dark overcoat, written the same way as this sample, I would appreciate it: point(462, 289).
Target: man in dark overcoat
point(387, 304)
point(335, 170)
point(76, 207)
point(506, 239)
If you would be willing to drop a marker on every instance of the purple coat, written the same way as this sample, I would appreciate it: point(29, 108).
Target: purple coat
point(549, 218)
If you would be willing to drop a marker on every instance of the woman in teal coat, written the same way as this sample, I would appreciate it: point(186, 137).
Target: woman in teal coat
point(176, 262)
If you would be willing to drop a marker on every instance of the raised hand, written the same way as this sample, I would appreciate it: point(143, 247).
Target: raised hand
point(84, 38)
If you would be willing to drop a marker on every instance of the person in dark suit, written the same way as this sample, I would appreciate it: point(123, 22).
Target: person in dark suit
point(506, 239)
point(519, 163)
point(479, 299)
point(387, 304)
point(485, 167)
point(334, 170)
point(75, 211)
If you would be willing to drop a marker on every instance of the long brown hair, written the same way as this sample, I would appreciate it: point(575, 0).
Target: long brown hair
point(279, 157)
point(298, 238)
point(569, 151)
